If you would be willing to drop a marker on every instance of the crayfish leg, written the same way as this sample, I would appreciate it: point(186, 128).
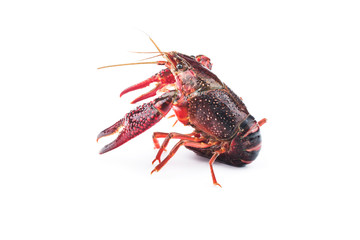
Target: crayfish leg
point(212, 160)
point(167, 137)
point(189, 143)
point(262, 122)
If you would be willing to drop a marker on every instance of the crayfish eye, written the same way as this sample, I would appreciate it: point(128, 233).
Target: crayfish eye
point(179, 66)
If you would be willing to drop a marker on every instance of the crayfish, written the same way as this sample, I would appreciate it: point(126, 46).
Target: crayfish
point(223, 128)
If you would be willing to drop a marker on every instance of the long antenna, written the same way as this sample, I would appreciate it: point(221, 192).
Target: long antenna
point(125, 64)
point(155, 45)
point(144, 52)
point(150, 57)
point(164, 54)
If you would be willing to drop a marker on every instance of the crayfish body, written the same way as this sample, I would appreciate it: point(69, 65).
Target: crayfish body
point(223, 128)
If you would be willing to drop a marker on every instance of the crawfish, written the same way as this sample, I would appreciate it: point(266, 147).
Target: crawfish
point(223, 128)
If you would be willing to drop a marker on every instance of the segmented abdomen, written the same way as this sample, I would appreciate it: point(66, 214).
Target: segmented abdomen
point(244, 147)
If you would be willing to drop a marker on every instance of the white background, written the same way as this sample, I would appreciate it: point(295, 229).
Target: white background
point(294, 62)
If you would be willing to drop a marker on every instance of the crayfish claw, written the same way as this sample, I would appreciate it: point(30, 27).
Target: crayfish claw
point(111, 130)
point(110, 146)
point(138, 120)
point(149, 94)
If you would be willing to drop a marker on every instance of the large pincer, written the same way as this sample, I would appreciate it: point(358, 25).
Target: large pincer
point(138, 121)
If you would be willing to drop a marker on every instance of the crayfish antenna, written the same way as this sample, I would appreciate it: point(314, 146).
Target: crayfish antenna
point(144, 52)
point(150, 57)
point(155, 45)
point(126, 64)
point(163, 53)
point(157, 62)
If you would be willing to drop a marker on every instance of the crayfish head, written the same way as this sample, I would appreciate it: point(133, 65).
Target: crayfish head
point(191, 73)
point(178, 62)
